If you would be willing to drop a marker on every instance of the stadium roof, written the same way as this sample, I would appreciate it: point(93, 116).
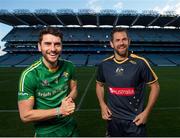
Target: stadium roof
point(65, 17)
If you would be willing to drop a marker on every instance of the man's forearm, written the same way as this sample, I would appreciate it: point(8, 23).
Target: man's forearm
point(154, 93)
point(38, 115)
point(73, 87)
point(100, 93)
point(73, 94)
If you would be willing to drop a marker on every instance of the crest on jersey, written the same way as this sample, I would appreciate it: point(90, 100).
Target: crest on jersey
point(45, 83)
point(65, 74)
point(119, 71)
point(133, 62)
point(56, 80)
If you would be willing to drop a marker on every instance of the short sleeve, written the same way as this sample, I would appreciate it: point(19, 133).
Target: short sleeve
point(99, 74)
point(27, 86)
point(148, 75)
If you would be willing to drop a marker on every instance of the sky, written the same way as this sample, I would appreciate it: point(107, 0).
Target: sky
point(139, 5)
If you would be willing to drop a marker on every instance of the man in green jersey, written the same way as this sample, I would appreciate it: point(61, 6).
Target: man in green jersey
point(47, 89)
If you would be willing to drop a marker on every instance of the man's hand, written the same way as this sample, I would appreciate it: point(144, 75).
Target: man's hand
point(141, 118)
point(67, 106)
point(105, 112)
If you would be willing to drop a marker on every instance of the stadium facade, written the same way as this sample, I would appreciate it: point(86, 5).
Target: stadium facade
point(86, 35)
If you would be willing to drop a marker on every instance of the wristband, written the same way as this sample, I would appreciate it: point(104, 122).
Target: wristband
point(57, 111)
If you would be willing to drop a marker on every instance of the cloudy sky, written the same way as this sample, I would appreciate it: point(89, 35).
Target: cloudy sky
point(97, 5)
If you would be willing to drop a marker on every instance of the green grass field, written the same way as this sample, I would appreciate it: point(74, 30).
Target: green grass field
point(164, 120)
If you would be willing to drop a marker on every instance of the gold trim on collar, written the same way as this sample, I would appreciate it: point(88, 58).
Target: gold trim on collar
point(120, 62)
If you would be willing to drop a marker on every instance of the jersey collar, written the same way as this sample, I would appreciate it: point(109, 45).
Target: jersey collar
point(122, 61)
point(51, 70)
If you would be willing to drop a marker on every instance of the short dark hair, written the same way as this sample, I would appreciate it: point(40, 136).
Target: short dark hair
point(50, 30)
point(118, 29)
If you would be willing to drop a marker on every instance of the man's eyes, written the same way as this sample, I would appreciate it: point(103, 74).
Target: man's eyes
point(55, 44)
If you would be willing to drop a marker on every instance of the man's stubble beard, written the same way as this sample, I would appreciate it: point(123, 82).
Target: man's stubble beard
point(123, 54)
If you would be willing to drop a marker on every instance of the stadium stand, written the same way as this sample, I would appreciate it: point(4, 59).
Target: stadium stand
point(86, 35)
point(29, 60)
point(173, 58)
point(95, 59)
point(14, 59)
point(78, 59)
point(159, 60)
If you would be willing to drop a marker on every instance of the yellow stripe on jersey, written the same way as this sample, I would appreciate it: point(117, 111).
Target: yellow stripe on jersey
point(99, 82)
point(21, 84)
point(32, 97)
point(120, 62)
point(108, 58)
point(136, 56)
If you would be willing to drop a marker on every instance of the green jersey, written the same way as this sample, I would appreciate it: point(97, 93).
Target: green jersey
point(48, 89)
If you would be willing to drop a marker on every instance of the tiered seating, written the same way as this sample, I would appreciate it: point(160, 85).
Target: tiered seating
point(64, 56)
point(2, 58)
point(19, 34)
point(95, 59)
point(159, 60)
point(96, 34)
point(154, 35)
point(29, 60)
point(175, 58)
point(88, 46)
point(78, 59)
point(14, 59)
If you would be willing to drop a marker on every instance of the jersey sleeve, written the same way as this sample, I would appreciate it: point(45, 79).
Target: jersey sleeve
point(148, 75)
point(27, 85)
point(99, 74)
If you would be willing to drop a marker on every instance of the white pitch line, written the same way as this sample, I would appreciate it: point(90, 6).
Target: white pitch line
point(157, 108)
point(85, 92)
point(96, 109)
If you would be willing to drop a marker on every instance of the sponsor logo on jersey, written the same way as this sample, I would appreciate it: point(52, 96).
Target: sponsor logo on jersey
point(65, 74)
point(122, 91)
point(133, 62)
point(119, 71)
point(56, 80)
point(22, 94)
point(45, 83)
point(53, 92)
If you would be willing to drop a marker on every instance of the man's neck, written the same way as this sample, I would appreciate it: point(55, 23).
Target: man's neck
point(120, 58)
point(51, 66)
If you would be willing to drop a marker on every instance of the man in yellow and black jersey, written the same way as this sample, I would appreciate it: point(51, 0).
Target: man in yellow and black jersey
point(47, 89)
point(125, 75)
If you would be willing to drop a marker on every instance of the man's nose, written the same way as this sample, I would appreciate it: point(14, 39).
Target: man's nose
point(53, 47)
point(120, 42)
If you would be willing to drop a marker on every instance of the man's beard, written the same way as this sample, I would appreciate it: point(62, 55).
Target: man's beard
point(49, 61)
point(121, 54)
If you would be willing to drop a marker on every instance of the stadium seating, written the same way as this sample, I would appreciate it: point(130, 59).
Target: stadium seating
point(95, 59)
point(159, 60)
point(78, 59)
point(14, 59)
point(88, 46)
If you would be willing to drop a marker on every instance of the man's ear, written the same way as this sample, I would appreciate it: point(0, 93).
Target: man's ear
point(39, 47)
point(111, 44)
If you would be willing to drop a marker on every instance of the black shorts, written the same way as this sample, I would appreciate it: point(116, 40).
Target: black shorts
point(125, 128)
